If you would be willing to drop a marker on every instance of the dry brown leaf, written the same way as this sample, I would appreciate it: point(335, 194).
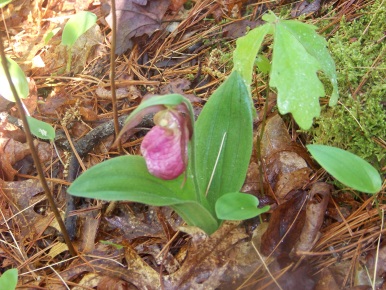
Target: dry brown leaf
point(23, 194)
point(291, 181)
point(285, 226)
point(10, 152)
point(138, 225)
point(88, 114)
point(5, 105)
point(315, 211)
point(225, 258)
point(176, 5)
point(239, 28)
point(9, 130)
point(88, 232)
point(177, 86)
point(377, 258)
point(136, 18)
point(326, 281)
point(108, 283)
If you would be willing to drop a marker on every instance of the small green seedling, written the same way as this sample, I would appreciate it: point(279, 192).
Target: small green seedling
point(348, 168)
point(108, 243)
point(41, 129)
point(4, 3)
point(19, 80)
point(76, 26)
point(38, 128)
point(51, 34)
point(8, 280)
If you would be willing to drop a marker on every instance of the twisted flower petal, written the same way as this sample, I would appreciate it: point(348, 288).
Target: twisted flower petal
point(163, 152)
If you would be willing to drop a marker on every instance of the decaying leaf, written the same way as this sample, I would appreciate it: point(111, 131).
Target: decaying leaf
point(23, 196)
point(285, 226)
point(136, 18)
point(297, 220)
point(9, 130)
point(10, 152)
point(285, 166)
point(316, 207)
point(376, 261)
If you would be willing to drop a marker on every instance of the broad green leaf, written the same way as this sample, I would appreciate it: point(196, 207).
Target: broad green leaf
point(18, 79)
point(41, 129)
point(348, 168)
point(4, 3)
point(8, 280)
point(316, 46)
point(246, 50)
point(127, 178)
point(238, 206)
point(298, 54)
point(76, 26)
point(223, 131)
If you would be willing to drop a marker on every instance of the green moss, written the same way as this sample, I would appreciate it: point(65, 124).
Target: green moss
point(357, 123)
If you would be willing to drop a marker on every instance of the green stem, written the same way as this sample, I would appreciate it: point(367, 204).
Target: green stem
point(69, 59)
point(259, 141)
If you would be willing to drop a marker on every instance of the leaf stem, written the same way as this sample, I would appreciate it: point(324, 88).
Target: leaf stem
point(34, 153)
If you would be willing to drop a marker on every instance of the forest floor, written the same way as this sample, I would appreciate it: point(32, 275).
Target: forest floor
point(187, 48)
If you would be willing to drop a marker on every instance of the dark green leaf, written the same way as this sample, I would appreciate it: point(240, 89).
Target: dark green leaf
point(41, 129)
point(224, 129)
point(347, 167)
point(77, 25)
point(18, 79)
point(238, 206)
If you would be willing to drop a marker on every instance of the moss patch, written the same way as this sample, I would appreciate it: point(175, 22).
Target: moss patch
point(358, 122)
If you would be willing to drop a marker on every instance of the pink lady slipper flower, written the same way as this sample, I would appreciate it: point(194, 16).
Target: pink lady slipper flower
point(165, 146)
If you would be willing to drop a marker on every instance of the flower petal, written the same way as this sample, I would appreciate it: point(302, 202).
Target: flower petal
point(162, 151)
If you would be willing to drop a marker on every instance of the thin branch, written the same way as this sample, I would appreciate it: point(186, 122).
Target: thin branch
point(34, 153)
point(112, 71)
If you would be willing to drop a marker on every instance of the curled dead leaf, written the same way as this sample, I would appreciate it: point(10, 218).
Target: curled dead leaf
point(136, 18)
point(315, 211)
point(11, 151)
